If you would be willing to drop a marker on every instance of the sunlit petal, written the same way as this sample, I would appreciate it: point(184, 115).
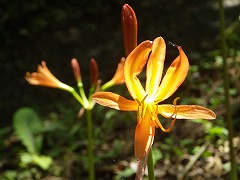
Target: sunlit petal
point(186, 112)
point(114, 101)
point(44, 77)
point(174, 76)
point(118, 77)
point(144, 136)
point(134, 64)
point(155, 66)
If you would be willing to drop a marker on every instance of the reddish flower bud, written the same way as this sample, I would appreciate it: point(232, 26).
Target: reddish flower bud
point(93, 72)
point(129, 29)
point(76, 70)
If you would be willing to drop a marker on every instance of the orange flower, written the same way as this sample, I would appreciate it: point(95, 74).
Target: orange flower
point(157, 89)
point(43, 77)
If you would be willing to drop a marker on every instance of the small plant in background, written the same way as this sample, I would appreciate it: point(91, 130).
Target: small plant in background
point(29, 129)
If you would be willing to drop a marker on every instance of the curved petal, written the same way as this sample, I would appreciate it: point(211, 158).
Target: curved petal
point(44, 77)
point(114, 101)
point(174, 76)
point(134, 64)
point(144, 136)
point(186, 112)
point(155, 66)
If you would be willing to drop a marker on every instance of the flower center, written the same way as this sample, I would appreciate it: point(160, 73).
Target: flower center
point(148, 108)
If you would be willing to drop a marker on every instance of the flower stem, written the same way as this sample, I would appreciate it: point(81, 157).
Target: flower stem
point(82, 94)
point(76, 96)
point(107, 85)
point(91, 171)
point(233, 173)
point(150, 166)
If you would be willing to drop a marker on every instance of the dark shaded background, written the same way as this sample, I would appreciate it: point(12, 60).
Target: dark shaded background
point(56, 31)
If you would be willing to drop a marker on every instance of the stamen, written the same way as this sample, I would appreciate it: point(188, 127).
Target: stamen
point(144, 98)
point(139, 103)
point(175, 101)
point(174, 120)
point(158, 100)
point(170, 127)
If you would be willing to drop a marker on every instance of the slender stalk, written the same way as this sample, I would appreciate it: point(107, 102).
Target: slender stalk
point(76, 96)
point(91, 170)
point(82, 93)
point(106, 85)
point(150, 166)
point(229, 124)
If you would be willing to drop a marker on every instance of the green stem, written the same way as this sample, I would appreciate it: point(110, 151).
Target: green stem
point(106, 85)
point(150, 166)
point(233, 172)
point(76, 95)
point(82, 93)
point(91, 170)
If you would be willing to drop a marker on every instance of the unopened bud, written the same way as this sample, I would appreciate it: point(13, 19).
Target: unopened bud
point(93, 72)
point(129, 28)
point(76, 70)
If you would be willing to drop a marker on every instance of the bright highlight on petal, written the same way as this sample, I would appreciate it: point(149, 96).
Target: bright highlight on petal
point(174, 76)
point(114, 101)
point(134, 65)
point(186, 112)
point(155, 66)
point(144, 136)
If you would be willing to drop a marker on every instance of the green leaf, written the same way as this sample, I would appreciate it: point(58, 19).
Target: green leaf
point(42, 161)
point(8, 175)
point(157, 155)
point(26, 158)
point(125, 173)
point(26, 123)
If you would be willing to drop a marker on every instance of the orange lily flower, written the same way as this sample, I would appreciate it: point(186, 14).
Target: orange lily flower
point(157, 89)
point(44, 77)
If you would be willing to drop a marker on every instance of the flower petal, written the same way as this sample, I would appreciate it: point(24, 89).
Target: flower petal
point(114, 101)
point(155, 66)
point(174, 76)
point(134, 64)
point(186, 112)
point(44, 77)
point(118, 77)
point(144, 136)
